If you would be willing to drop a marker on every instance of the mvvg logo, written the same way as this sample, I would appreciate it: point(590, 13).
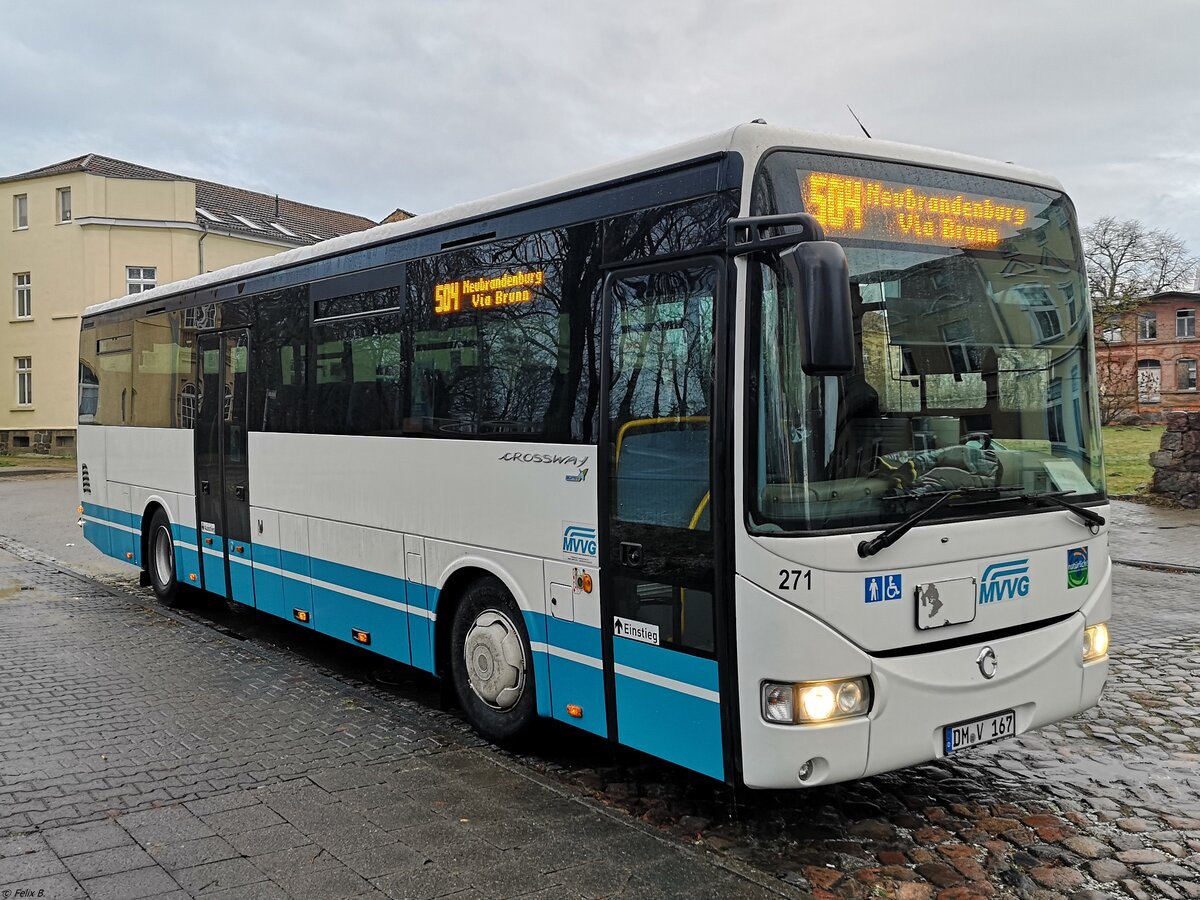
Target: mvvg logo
point(1004, 581)
point(579, 541)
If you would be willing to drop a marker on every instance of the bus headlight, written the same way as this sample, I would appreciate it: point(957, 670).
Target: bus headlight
point(1095, 642)
point(818, 701)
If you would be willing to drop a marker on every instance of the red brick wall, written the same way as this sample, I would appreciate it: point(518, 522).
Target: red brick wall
point(1166, 348)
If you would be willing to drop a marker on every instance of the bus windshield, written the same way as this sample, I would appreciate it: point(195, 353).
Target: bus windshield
point(973, 337)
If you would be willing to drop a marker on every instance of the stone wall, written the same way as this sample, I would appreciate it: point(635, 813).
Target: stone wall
point(1177, 461)
point(18, 442)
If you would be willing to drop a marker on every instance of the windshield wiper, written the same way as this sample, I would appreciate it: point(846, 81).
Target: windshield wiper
point(1093, 519)
point(885, 539)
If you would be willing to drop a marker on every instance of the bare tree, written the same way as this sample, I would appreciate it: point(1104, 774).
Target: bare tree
point(1127, 262)
point(1118, 391)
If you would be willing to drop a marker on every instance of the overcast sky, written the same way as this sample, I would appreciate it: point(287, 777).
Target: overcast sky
point(366, 106)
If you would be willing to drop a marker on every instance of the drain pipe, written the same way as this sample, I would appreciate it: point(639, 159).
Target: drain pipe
point(200, 247)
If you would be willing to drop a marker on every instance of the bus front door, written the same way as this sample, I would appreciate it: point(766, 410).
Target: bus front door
point(222, 470)
point(657, 550)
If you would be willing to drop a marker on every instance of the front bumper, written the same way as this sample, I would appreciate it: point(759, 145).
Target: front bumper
point(1040, 675)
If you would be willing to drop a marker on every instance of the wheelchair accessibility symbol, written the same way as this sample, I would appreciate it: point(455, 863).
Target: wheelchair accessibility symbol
point(882, 587)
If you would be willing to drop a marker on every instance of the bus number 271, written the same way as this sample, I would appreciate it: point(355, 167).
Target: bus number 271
point(789, 579)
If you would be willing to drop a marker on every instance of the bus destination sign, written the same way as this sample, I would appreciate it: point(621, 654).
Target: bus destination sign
point(509, 289)
point(886, 210)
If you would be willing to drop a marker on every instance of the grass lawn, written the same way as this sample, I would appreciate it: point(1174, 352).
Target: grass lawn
point(40, 462)
point(1127, 450)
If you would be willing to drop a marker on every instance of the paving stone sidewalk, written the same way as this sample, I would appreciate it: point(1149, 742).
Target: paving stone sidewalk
point(1155, 534)
point(145, 755)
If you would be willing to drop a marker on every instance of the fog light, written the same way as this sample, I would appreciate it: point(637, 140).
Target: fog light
point(778, 703)
point(1095, 642)
point(817, 701)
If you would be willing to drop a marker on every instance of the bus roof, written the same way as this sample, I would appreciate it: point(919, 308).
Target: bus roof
point(750, 140)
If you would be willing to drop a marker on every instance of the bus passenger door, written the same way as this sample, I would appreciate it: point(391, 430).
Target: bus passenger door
point(657, 550)
point(222, 469)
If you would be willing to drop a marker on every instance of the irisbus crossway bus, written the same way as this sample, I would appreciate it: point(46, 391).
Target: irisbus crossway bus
point(773, 454)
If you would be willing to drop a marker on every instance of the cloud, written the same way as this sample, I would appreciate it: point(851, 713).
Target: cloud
point(373, 105)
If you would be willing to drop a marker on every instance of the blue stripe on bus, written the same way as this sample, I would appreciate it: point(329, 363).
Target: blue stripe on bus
point(574, 682)
point(409, 638)
point(668, 722)
point(187, 559)
point(420, 628)
point(535, 627)
point(338, 615)
point(212, 560)
point(671, 725)
point(377, 585)
point(115, 516)
point(693, 670)
point(111, 534)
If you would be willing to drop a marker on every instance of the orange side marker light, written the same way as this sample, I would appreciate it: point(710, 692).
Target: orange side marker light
point(575, 712)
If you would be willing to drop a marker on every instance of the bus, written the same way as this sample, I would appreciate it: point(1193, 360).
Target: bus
point(774, 455)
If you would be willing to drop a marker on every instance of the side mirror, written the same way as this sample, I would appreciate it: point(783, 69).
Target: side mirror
point(821, 276)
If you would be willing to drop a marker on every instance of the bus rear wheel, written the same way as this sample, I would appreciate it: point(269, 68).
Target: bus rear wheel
point(161, 560)
point(492, 664)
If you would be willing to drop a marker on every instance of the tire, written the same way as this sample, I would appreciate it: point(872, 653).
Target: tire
point(492, 664)
point(160, 560)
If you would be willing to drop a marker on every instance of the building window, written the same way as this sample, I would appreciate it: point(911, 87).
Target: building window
point(139, 278)
point(1185, 375)
point(64, 204)
point(23, 294)
point(202, 316)
point(189, 399)
point(1148, 326)
point(1042, 310)
point(1054, 411)
point(1149, 381)
point(1185, 323)
point(1111, 333)
point(24, 380)
point(21, 211)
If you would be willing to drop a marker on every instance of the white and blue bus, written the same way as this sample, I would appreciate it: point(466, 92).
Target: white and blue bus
point(773, 454)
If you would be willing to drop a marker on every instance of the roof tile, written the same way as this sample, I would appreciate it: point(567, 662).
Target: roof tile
point(223, 201)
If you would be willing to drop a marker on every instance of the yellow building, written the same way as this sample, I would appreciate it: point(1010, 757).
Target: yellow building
point(93, 228)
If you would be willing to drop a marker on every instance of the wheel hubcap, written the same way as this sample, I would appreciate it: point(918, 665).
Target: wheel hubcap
point(495, 657)
point(164, 556)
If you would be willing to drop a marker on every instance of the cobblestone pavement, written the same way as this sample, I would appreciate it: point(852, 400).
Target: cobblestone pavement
point(1104, 805)
point(143, 754)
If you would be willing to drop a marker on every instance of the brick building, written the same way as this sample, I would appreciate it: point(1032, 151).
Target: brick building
point(1147, 358)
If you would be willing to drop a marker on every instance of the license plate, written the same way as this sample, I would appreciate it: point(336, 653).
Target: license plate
point(978, 731)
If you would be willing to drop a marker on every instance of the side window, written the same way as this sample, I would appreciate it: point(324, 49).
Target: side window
point(360, 376)
point(280, 356)
point(163, 364)
point(504, 339)
point(112, 367)
point(660, 425)
point(661, 397)
point(89, 386)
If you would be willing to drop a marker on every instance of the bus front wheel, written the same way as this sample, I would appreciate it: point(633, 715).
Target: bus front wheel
point(492, 663)
point(161, 560)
